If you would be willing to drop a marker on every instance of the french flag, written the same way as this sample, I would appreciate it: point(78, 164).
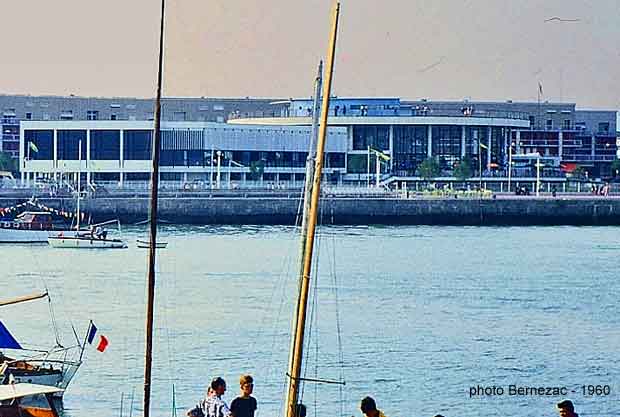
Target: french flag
point(103, 341)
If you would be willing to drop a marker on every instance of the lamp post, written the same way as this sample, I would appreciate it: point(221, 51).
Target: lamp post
point(509, 165)
point(538, 175)
point(219, 156)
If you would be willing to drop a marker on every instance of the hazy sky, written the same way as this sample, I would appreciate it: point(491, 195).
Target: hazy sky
point(436, 49)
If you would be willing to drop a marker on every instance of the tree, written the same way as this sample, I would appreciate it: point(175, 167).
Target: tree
point(429, 168)
point(463, 169)
point(579, 172)
point(7, 163)
point(615, 168)
point(257, 168)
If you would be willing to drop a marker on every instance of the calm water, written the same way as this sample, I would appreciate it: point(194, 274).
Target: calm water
point(424, 313)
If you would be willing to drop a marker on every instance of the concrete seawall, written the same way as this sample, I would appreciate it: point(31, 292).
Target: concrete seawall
point(281, 210)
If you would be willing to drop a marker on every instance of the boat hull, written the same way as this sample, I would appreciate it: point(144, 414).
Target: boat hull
point(72, 242)
point(9, 235)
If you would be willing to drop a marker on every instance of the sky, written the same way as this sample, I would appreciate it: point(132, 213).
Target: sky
point(440, 50)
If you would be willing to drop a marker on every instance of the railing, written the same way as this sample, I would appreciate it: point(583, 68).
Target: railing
point(588, 157)
point(404, 112)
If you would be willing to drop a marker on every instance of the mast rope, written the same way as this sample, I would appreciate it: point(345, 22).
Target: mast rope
point(338, 324)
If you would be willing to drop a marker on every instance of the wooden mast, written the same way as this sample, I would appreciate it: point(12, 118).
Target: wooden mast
point(153, 223)
point(297, 345)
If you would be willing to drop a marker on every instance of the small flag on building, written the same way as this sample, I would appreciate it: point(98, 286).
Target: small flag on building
point(102, 343)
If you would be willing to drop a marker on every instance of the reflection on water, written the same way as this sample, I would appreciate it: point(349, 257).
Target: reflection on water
point(425, 313)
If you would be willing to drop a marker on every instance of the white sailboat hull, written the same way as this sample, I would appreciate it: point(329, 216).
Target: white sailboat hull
point(9, 235)
point(85, 243)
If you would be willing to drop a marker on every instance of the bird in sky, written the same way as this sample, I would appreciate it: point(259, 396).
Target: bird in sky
point(559, 19)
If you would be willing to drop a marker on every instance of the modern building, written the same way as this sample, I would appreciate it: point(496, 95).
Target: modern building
point(264, 140)
point(218, 154)
point(18, 108)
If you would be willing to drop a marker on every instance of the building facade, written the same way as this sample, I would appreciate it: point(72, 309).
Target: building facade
point(212, 154)
point(18, 108)
point(265, 140)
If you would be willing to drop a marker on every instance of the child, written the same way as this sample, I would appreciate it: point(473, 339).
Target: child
point(244, 405)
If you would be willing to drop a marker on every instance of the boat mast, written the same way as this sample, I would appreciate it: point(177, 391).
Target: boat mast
point(308, 186)
point(298, 342)
point(153, 223)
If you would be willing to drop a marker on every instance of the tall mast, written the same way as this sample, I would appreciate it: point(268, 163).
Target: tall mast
point(318, 82)
point(297, 345)
point(153, 223)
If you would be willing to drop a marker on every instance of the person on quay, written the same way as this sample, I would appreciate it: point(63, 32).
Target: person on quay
point(244, 405)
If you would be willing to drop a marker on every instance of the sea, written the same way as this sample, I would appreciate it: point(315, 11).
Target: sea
point(457, 321)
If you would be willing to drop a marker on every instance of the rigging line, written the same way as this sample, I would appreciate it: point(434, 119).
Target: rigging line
point(53, 319)
point(313, 322)
point(338, 325)
point(280, 284)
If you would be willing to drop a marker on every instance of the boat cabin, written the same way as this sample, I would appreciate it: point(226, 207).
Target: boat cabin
point(30, 220)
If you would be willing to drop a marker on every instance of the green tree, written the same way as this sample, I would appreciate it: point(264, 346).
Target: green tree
point(463, 169)
point(579, 172)
point(615, 168)
point(7, 163)
point(429, 168)
point(257, 168)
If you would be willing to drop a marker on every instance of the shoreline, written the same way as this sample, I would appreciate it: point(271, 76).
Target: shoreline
point(281, 209)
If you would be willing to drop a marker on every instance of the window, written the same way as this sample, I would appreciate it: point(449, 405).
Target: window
point(112, 117)
point(532, 122)
point(178, 116)
point(218, 107)
point(105, 145)
point(43, 140)
point(603, 127)
point(66, 115)
point(137, 145)
point(376, 137)
point(28, 116)
point(566, 125)
point(92, 115)
point(220, 119)
point(115, 106)
point(549, 124)
point(69, 144)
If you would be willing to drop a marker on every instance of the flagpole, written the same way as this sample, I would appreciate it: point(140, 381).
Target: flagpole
point(509, 165)
point(479, 166)
point(90, 325)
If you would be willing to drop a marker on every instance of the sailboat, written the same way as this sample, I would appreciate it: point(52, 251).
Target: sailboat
point(32, 226)
point(95, 238)
point(53, 367)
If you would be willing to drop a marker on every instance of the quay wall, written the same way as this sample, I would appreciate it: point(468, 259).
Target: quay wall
point(282, 210)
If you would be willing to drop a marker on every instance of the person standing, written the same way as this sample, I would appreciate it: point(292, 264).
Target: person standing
point(214, 405)
point(244, 405)
point(369, 408)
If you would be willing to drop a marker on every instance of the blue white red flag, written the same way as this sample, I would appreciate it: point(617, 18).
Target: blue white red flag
point(102, 343)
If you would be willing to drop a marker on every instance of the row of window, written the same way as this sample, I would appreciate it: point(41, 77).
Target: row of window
point(137, 145)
